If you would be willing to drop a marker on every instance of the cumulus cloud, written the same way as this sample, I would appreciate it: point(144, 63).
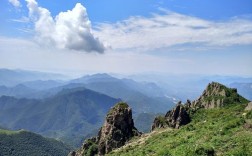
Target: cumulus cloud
point(15, 3)
point(68, 30)
point(171, 29)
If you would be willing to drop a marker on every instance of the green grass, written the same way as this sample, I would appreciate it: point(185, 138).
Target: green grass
point(219, 131)
point(8, 132)
point(122, 105)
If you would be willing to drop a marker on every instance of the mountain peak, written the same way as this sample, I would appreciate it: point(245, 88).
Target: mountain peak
point(214, 96)
point(100, 77)
point(218, 95)
point(115, 132)
point(217, 89)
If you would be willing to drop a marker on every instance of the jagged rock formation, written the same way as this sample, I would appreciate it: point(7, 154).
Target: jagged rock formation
point(116, 131)
point(217, 95)
point(173, 118)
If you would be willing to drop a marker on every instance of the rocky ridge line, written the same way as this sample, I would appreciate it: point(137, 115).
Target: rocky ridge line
point(215, 95)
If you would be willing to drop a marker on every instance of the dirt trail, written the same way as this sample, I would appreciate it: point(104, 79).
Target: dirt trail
point(142, 139)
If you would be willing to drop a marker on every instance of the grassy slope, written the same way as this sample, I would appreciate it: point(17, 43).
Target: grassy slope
point(220, 130)
point(23, 143)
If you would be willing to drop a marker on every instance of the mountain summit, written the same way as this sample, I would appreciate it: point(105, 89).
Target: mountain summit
point(217, 95)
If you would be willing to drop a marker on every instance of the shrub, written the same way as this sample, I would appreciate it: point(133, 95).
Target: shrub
point(205, 151)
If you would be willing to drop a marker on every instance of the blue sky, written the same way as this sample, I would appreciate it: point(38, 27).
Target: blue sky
point(169, 36)
point(116, 10)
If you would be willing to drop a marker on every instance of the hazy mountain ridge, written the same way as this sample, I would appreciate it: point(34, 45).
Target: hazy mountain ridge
point(13, 77)
point(141, 97)
point(244, 89)
point(180, 85)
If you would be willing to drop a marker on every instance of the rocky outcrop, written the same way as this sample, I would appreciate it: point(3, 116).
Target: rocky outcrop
point(249, 106)
point(217, 95)
point(214, 96)
point(174, 118)
point(116, 131)
point(178, 116)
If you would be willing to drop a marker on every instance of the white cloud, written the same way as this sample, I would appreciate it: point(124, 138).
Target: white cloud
point(169, 29)
point(15, 3)
point(23, 19)
point(68, 30)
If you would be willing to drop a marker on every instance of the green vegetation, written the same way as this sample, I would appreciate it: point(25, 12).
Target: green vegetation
point(231, 96)
point(8, 132)
point(161, 119)
point(122, 105)
point(92, 150)
point(23, 143)
point(218, 131)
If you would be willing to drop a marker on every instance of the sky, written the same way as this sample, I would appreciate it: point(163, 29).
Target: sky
point(211, 37)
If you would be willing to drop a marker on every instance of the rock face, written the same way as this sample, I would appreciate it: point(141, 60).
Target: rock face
point(173, 118)
point(217, 95)
point(116, 131)
point(249, 106)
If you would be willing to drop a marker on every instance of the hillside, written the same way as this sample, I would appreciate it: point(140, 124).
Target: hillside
point(225, 129)
point(220, 130)
point(70, 115)
point(23, 143)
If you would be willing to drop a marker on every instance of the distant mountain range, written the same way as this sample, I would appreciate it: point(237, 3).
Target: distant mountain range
point(15, 77)
point(244, 89)
point(142, 97)
point(180, 85)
